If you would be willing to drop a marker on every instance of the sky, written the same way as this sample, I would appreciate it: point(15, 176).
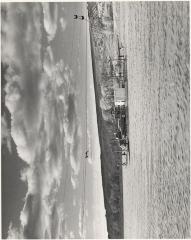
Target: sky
point(49, 188)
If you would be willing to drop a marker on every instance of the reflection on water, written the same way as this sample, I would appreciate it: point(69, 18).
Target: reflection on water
point(156, 183)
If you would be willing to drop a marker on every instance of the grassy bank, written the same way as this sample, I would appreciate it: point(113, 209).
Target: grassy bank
point(110, 160)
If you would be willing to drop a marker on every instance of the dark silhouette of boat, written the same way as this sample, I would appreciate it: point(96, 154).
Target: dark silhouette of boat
point(78, 17)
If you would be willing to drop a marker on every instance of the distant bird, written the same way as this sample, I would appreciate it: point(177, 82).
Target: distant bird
point(86, 154)
point(75, 16)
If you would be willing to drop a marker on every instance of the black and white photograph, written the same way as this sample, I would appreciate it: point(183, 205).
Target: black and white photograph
point(95, 120)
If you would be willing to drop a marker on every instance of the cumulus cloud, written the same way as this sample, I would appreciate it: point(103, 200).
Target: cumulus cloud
point(44, 121)
point(63, 24)
point(80, 223)
point(74, 155)
point(23, 74)
point(50, 11)
point(14, 233)
point(48, 62)
point(82, 226)
point(74, 180)
point(74, 202)
point(72, 234)
point(5, 133)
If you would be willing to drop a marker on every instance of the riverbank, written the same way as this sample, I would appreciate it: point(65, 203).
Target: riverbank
point(111, 169)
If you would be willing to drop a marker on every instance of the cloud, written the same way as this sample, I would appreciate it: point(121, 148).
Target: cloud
point(63, 24)
point(74, 181)
point(71, 115)
point(74, 158)
point(82, 226)
point(5, 133)
point(32, 211)
point(50, 11)
point(72, 234)
point(74, 202)
point(14, 233)
point(80, 223)
point(40, 95)
point(21, 31)
point(48, 62)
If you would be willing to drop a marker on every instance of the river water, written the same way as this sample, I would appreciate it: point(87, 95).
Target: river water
point(157, 180)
